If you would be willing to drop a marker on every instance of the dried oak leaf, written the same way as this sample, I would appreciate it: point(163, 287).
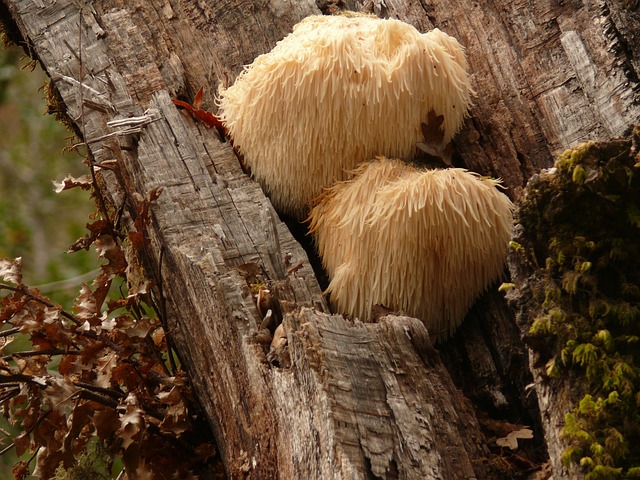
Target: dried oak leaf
point(136, 235)
point(78, 434)
point(21, 443)
point(96, 229)
point(35, 365)
point(132, 424)
point(20, 470)
point(59, 392)
point(47, 431)
point(12, 305)
point(4, 343)
point(84, 182)
point(137, 293)
point(108, 249)
point(102, 285)
point(106, 422)
point(175, 420)
point(86, 307)
point(47, 462)
point(11, 270)
point(124, 374)
point(67, 364)
point(53, 332)
point(89, 357)
point(511, 440)
point(433, 135)
point(29, 318)
point(140, 328)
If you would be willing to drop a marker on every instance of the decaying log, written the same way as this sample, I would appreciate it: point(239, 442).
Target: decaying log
point(390, 400)
point(341, 399)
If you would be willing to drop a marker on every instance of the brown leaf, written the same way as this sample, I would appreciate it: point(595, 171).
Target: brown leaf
point(102, 285)
point(131, 422)
point(141, 328)
point(124, 374)
point(97, 228)
point(59, 392)
point(53, 330)
point(29, 317)
point(208, 118)
point(20, 470)
point(198, 100)
point(11, 270)
point(84, 182)
point(175, 419)
point(11, 306)
point(433, 134)
point(89, 357)
point(47, 431)
point(172, 397)
point(77, 436)
point(137, 239)
point(35, 365)
point(108, 249)
point(21, 443)
point(432, 130)
point(4, 343)
point(47, 462)
point(158, 337)
point(67, 362)
point(108, 324)
point(511, 440)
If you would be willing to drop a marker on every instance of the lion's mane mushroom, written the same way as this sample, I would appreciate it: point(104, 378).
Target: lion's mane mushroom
point(426, 242)
point(336, 92)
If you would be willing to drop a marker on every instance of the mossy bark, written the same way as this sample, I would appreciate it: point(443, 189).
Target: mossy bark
point(575, 262)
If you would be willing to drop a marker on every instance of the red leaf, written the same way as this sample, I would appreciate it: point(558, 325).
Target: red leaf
point(84, 182)
point(180, 103)
point(86, 306)
point(208, 118)
point(137, 239)
point(21, 442)
point(198, 100)
point(20, 470)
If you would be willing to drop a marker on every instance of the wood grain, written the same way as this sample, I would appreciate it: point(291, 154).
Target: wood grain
point(355, 401)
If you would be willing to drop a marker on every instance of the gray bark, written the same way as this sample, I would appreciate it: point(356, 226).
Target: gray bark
point(342, 399)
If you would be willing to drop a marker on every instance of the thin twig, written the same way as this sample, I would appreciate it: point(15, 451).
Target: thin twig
point(35, 353)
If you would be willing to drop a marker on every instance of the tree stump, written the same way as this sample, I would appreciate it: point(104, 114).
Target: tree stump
point(339, 399)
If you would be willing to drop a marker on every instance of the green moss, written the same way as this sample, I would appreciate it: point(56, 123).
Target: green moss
point(581, 224)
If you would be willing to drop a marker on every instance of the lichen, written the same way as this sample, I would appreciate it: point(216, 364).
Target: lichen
point(580, 228)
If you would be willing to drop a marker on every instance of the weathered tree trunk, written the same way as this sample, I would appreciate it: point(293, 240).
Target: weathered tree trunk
point(342, 399)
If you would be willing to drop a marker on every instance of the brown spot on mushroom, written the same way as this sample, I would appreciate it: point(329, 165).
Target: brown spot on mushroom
point(426, 242)
point(336, 92)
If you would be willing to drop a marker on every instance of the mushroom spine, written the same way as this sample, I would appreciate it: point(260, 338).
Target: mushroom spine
point(336, 92)
point(425, 242)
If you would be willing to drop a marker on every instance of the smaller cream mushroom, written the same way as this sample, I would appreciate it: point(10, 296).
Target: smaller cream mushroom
point(336, 92)
point(424, 242)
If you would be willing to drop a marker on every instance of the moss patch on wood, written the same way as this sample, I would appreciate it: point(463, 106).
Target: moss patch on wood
point(580, 234)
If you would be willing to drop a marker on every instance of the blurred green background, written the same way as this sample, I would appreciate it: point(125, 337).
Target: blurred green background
point(36, 223)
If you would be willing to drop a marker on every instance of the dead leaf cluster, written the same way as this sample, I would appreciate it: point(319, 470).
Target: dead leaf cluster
point(101, 369)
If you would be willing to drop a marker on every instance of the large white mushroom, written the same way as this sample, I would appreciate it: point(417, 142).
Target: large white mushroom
point(425, 242)
point(336, 92)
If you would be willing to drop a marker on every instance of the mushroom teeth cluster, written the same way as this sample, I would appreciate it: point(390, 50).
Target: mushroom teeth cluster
point(336, 92)
point(425, 242)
